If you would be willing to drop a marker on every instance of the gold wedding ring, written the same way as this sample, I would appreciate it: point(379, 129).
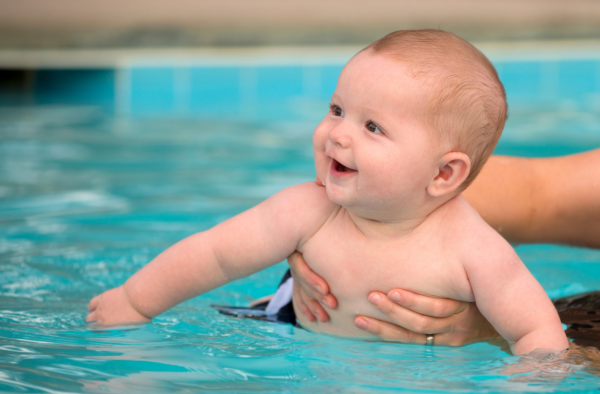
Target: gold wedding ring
point(429, 339)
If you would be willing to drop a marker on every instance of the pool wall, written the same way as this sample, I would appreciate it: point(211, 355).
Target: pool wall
point(280, 82)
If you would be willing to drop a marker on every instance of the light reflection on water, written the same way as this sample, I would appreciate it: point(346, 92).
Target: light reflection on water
point(87, 199)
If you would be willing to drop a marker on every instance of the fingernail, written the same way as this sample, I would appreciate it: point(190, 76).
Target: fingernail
point(324, 302)
point(319, 289)
point(375, 299)
point(361, 323)
point(395, 296)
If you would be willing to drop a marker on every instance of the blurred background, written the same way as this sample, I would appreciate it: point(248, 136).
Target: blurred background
point(192, 57)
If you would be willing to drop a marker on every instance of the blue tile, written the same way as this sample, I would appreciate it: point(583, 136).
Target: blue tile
point(521, 80)
point(276, 83)
point(278, 91)
point(75, 87)
point(214, 90)
point(329, 77)
point(577, 78)
point(152, 91)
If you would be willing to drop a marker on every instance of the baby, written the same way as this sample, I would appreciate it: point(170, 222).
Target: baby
point(414, 117)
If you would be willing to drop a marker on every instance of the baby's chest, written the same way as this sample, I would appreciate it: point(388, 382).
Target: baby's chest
point(354, 266)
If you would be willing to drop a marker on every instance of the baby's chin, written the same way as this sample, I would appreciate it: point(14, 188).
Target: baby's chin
point(340, 198)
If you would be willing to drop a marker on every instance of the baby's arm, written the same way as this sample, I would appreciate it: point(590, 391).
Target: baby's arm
point(251, 241)
point(509, 296)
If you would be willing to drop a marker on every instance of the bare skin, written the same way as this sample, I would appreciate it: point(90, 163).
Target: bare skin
point(553, 200)
point(550, 200)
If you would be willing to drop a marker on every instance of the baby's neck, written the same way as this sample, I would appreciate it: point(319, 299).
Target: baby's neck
point(395, 225)
point(384, 230)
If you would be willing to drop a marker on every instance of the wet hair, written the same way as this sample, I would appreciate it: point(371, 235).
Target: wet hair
point(467, 102)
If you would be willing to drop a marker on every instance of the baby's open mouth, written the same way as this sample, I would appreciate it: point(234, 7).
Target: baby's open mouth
point(338, 167)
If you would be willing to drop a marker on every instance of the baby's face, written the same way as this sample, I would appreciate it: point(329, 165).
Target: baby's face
point(372, 150)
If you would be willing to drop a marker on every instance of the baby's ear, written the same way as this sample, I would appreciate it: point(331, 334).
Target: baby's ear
point(453, 169)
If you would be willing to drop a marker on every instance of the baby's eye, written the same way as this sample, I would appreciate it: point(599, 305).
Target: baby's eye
point(335, 110)
point(372, 127)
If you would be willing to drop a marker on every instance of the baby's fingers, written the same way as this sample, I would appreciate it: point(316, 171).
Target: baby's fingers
point(93, 304)
point(428, 306)
point(91, 317)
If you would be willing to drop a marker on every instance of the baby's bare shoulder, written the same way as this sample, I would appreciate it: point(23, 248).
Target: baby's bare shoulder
point(461, 225)
point(308, 197)
point(457, 212)
point(308, 205)
point(474, 239)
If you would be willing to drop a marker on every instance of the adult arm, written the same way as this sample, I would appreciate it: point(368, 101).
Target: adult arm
point(547, 200)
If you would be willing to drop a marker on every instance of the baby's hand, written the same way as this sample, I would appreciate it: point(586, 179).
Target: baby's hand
point(113, 308)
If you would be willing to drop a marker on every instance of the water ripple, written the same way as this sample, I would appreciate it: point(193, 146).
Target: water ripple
point(86, 200)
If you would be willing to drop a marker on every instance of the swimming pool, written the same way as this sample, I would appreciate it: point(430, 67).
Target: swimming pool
point(89, 194)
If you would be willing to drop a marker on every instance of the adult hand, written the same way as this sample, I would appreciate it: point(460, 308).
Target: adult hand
point(310, 290)
point(454, 323)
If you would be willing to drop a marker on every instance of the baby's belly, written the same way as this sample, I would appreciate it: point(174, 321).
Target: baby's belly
point(352, 296)
point(354, 267)
point(341, 322)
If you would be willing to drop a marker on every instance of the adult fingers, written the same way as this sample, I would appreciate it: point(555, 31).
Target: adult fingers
point(328, 300)
point(302, 273)
point(388, 331)
point(408, 319)
point(428, 306)
point(391, 332)
point(300, 303)
point(314, 306)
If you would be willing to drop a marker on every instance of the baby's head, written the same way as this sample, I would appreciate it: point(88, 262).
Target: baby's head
point(467, 102)
point(414, 116)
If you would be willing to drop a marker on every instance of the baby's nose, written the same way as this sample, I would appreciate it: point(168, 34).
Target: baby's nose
point(340, 135)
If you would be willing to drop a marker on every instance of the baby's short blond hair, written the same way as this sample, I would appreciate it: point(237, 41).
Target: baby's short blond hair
point(467, 102)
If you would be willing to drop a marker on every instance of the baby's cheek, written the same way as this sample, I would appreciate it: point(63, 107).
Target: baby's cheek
point(321, 161)
point(387, 184)
point(320, 136)
point(321, 166)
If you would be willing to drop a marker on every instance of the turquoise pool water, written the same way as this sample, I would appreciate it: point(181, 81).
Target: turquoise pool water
point(87, 197)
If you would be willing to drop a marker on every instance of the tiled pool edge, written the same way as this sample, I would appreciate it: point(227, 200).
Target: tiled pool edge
point(201, 82)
